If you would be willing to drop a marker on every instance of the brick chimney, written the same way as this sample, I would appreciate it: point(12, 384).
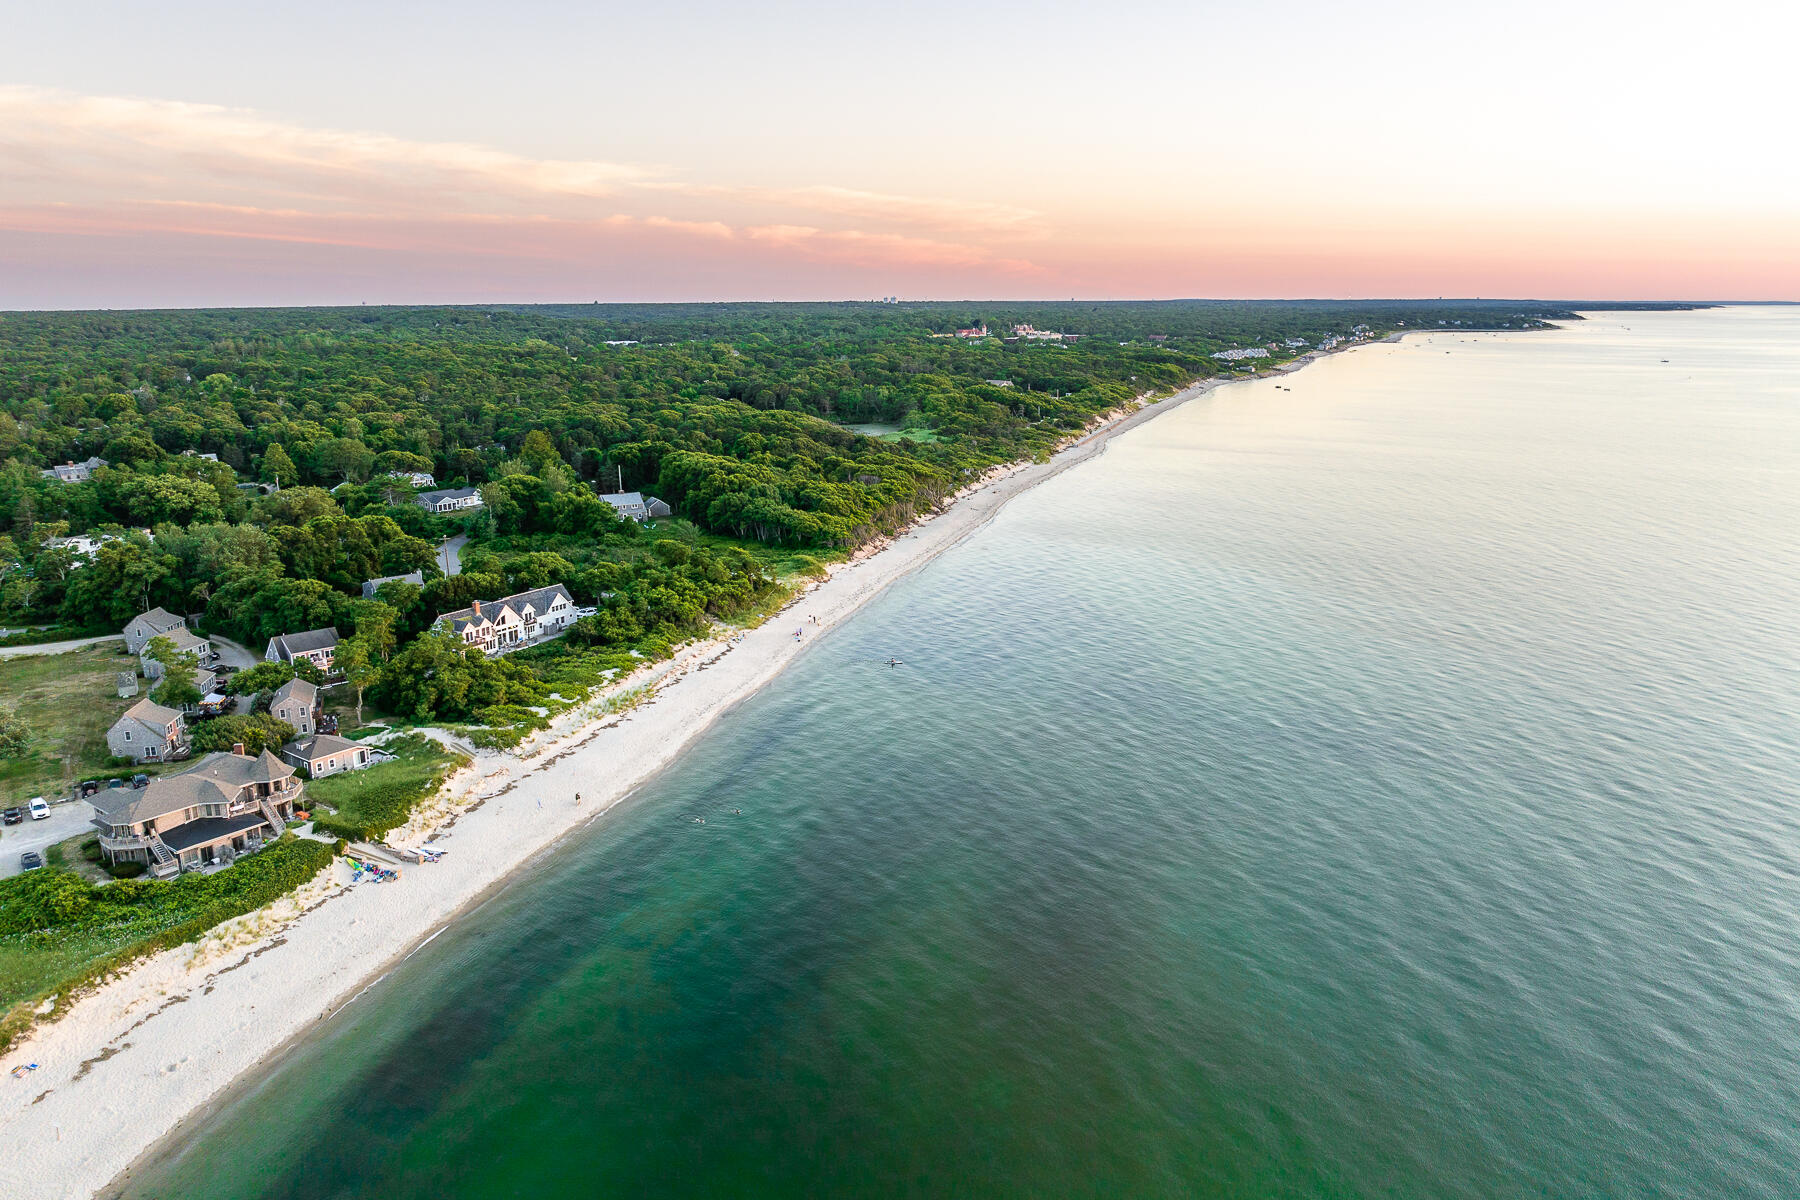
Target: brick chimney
point(238, 748)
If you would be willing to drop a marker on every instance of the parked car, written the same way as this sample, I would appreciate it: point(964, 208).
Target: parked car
point(39, 810)
point(140, 781)
point(31, 860)
point(14, 816)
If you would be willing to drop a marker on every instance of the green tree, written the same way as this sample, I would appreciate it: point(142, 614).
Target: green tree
point(257, 732)
point(278, 468)
point(356, 662)
point(176, 688)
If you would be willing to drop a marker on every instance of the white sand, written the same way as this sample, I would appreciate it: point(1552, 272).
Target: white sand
point(133, 1059)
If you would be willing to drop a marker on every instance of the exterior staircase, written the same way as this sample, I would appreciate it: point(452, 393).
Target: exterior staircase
point(162, 859)
point(273, 816)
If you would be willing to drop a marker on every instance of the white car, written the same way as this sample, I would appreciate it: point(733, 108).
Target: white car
point(39, 810)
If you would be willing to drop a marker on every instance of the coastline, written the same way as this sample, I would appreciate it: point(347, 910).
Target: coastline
point(140, 1058)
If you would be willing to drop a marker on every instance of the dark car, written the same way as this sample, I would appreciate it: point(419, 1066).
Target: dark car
point(31, 860)
point(14, 816)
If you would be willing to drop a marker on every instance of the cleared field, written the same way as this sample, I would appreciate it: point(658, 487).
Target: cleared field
point(69, 701)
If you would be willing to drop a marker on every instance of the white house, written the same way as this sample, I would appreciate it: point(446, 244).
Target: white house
point(74, 472)
point(447, 500)
point(421, 479)
point(513, 621)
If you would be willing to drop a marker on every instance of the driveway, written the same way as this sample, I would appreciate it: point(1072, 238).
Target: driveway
point(449, 559)
point(58, 648)
point(234, 655)
point(65, 821)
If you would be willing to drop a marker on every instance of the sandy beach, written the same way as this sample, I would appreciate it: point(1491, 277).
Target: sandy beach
point(143, 1053)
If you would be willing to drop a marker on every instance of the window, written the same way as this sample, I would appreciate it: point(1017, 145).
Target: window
point(128, 735)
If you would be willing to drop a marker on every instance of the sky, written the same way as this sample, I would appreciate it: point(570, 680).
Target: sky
point(251, 153)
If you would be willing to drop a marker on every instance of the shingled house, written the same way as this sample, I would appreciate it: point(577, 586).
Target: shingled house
point(315, 646)
point(225, 805)
point(148, 732)
point(297, 703)
point(144, 626)
point(513, 621)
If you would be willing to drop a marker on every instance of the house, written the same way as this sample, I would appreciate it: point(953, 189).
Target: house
point(148, 732)
point(297, 703)
point(74, 472)
point(315, 646)
point(447, 500)
point(225, 805)
point(145, 626)
point(185, 639)
point(326, 754)
point(636, 506)
point(513, 621)
point(978, 331)
point(206, 457)
point(421, 478)
point(370, 586)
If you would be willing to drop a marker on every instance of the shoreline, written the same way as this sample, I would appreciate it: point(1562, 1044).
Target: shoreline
point(141, 1058)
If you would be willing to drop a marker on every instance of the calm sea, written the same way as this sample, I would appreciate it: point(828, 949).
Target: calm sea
point(1379, 782)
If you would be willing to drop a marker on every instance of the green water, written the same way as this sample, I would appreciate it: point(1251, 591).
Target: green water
point(1383, 787)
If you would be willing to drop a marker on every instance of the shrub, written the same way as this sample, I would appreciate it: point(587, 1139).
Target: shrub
point(806, 564)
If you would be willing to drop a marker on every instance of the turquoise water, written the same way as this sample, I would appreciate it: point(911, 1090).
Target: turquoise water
point(1383, 787)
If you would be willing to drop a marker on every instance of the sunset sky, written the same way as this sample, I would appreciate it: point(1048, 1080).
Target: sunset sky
point(209, 153)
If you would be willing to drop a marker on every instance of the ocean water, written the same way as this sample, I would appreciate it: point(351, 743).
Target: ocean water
point(1384, 781)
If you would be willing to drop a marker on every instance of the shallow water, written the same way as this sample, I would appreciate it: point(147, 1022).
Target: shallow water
point(1384, 786)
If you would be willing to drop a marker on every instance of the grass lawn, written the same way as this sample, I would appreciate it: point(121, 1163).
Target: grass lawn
point(69, 701)
point(378, 799)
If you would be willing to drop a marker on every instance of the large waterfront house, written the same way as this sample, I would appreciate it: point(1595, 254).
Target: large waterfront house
point(145, 626)
point(513, 621)
point(636, 506)
point(184, 639)
point(297, 703)
point(371, 586)
point(148, 732)
point(74, 472)
point(448, 500)
point(227, 804)
point(326, 754)
point(315, 646)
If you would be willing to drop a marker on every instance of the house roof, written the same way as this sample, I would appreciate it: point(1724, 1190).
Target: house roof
point(296, 689)
point(216, 779)
point(370, 585)
point(538, 599)
point(160, 620)
point(183, 637)
point(625, 499)
point(431, 498)
point(209, 829)
point(301, 643)
point(148, 712)
point(318, 746)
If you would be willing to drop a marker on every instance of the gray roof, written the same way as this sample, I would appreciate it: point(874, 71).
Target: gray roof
point(183, 637)
point(150, 714)
point(300, 643)
point(431, 498)
point(370, 586)
point(318, 746)
point(298, 690)
point(539, 599)
point(161, 620)
point(215, 779)
point(209, 829)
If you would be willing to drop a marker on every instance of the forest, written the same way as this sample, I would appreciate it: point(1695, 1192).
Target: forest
point(256, 461)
